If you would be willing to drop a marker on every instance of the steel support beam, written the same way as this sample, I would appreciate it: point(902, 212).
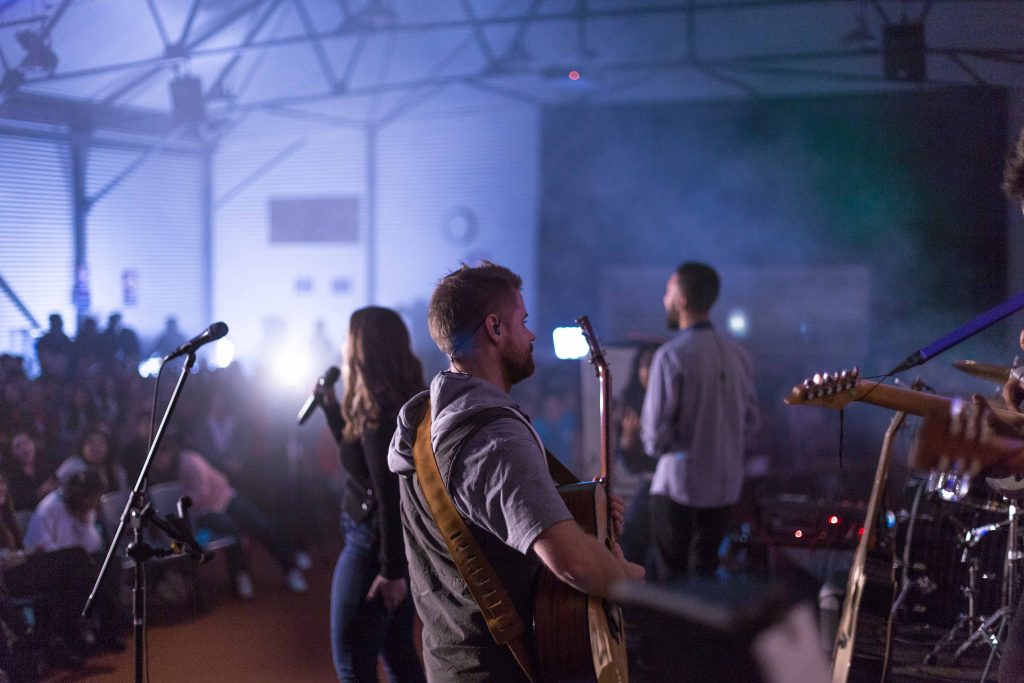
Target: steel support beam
point(206, 190)
point(371, 215)
point(79, 149)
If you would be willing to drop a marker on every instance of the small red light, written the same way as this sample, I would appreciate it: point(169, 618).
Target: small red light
point(798, 533)
point(833, 520)
point(860, 531)
point(574, 75)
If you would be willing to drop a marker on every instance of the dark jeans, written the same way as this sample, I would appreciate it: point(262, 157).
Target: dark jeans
point(242, 516)
point(361, 629)
point(685, 539)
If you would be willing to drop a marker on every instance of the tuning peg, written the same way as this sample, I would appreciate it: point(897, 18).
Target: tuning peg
point(818, 379)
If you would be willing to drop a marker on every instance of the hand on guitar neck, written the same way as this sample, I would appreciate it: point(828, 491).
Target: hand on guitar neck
point(973, 440)
point(1013, 389)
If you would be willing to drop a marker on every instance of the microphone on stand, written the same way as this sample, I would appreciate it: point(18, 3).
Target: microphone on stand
point(327, 381)
point(211, 333)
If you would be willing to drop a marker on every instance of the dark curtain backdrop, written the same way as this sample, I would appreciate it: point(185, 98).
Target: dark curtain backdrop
point(902, 186)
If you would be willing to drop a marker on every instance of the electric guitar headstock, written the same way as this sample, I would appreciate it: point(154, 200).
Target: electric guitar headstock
point(597, 357)
point(830, 390)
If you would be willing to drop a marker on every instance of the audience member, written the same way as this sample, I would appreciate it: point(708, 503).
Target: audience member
point(79, 412)
point(54, 349)
point(66, 517)
point(86, 349)
point(119, 345)
point(27, 483)
point(170, 339)
point(635, 540)
point(220, 436)
point(217, 506)
point(66, 520)
point(94, 451)
point(62, 579)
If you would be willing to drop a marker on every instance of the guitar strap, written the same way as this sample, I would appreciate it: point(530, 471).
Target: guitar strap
point(503, 621)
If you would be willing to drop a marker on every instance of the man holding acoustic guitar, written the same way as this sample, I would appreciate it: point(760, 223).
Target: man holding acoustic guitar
point(480, 509)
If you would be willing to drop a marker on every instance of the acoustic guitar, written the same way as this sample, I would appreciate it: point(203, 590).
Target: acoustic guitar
point(581, 638)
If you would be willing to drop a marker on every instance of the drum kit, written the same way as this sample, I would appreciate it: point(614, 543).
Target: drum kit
point(955, 532)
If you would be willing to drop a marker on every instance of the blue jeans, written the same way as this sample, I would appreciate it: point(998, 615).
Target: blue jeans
point(362, 629)
point(242, 516)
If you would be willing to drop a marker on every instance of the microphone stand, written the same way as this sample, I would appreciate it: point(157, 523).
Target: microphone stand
point(968, 329)
point(137, 514)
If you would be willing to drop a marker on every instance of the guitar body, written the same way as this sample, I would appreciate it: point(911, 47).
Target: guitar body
point(580, 638)
point(862, 651)
point(864, 636)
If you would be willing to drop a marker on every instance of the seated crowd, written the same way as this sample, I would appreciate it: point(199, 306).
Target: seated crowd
point(79, 431)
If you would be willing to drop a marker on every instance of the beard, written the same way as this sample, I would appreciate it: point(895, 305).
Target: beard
point(518, 367)
point(672, 319)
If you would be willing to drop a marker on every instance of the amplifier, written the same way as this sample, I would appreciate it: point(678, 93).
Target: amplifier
point(803, 521)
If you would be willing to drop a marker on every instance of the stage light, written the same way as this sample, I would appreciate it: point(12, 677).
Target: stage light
point(222, 353)
point(150, 367)
point(833, 520)
point(798, 533)
point(574, 75)
point(38, 55)
point(291, 368)
point(738, 323)
point(570, 343)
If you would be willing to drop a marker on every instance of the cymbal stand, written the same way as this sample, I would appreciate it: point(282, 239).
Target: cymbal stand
point(922, 584)
point(968, 622)
point(993, 628)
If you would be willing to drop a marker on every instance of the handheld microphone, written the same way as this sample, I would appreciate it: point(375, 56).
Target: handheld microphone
point(211, 333)
point(309, 407)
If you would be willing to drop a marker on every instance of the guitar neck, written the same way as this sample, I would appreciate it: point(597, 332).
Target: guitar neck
point(904, 400)
point(604, 407)
point(898, 398)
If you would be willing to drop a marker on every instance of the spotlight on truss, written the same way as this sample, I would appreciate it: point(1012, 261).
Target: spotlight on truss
point(38, 54)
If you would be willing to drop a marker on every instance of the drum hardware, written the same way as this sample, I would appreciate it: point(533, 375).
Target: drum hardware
point(968, 623)
point(952, 486)
point(992, 629)
point(922, 584)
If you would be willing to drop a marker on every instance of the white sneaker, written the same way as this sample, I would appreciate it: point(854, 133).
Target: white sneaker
point(303, 561)
point(243, 586)
point(296, 581)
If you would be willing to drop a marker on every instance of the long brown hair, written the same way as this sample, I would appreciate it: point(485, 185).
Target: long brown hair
point(380, 368)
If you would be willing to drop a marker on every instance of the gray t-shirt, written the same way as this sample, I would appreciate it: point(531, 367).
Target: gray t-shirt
point(500, 484)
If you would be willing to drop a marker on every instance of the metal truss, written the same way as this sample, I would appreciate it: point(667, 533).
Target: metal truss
point(366, 19)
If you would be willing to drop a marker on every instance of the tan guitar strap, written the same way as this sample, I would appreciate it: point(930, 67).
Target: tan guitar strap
point(484, 585)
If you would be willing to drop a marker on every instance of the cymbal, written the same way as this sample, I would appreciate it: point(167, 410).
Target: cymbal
point(996, 373)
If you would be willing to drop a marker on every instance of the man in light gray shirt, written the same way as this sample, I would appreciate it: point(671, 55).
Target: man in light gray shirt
point(699, 411)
